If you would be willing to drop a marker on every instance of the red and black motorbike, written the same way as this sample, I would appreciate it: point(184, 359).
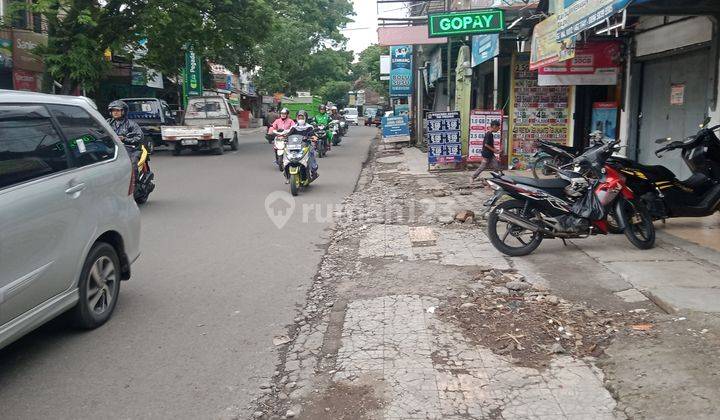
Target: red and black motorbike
point(574, 205)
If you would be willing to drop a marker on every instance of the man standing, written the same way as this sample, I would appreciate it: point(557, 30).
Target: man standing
point(488, 151)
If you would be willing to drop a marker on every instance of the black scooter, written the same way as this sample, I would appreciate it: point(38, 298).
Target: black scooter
point(667, 197)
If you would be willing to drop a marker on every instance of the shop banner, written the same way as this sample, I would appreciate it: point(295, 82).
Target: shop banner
point(466, 22)
point(27, 80)
point(595, 63)
point(401, 74)
point(484, 48)
point(402, 109)
point(545, 48)
point(536, 113)
point(436, 67)
point(480, 121)
point(575, 16)
point(443, 137)
point(193, 74)
point(604, 119)
point(395, 129)
point(23, 50)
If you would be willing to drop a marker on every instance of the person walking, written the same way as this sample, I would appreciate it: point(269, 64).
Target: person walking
point(490, 161)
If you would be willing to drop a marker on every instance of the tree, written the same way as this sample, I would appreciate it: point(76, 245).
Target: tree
point(305, 47)
point(335, 91)
point(79, 31)
point(367, 68)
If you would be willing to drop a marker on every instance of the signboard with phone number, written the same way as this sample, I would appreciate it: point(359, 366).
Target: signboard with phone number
point(443, 138)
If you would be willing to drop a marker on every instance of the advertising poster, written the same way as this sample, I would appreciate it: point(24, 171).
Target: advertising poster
point(479, 125)
point(545, 48)
point(6, 53)
point(443, 138)
point(193, 74)
point(595, 63)
point(401, 75)
point(23, 51)
point(575, 16)
point(27, 80)
point(604, 118)
point(395, 129)
point(484, 48)
point(402, 109)
point(536, 112)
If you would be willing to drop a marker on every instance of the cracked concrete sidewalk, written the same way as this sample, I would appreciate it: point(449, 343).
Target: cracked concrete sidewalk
point(369, 327)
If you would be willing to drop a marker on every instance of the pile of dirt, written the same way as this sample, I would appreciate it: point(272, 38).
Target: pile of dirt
point(513, 319)
point(343, 401)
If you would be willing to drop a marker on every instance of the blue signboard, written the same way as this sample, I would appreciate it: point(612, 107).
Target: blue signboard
point(395, 128)
point(575, 16)
point(484, 48)
point(401, 74)
point(443, 137)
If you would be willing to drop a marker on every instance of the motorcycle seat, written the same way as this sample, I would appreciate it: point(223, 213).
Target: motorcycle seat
point(656, 172)
point(551, 183)
point(695, 181)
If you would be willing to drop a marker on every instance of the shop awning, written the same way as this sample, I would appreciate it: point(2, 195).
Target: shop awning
point(674, 7)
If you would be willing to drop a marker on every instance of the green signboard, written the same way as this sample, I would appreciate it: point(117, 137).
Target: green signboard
point(193, 74)
point(467, 22)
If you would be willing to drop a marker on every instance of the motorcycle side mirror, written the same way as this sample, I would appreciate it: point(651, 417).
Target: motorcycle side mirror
point(706, 121)
point(661, 141)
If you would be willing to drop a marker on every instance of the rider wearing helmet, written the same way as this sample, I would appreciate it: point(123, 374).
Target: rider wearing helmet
point(128, 130)
point(303, 127)
point(284, 122)
point(334, 114)
point(324, 119)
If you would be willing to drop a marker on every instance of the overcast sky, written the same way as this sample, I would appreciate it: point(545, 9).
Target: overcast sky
point(363, 31)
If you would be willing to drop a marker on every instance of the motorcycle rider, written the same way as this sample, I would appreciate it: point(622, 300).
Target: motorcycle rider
point(323, 118)
point(282, 123)
point(128, 130)
point(334, 114)
point(302, 127)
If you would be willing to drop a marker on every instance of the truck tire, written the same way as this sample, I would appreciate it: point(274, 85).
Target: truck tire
point(235, 144)
point(177, 149)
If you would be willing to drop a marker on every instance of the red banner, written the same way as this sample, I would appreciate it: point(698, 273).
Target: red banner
point(595, 63)
point(26, 80)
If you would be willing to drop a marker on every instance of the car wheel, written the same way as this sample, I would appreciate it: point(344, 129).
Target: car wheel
point(235, 144)
point(99, 287)
point(177, 150)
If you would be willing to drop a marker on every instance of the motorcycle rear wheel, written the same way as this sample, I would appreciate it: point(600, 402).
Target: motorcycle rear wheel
point(498, 239)
point(639, 227)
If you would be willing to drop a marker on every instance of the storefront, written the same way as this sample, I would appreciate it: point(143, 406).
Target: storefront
point(27, 68)
point(674, 69)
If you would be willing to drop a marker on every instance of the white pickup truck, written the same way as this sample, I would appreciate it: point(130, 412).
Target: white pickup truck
point(210, 123)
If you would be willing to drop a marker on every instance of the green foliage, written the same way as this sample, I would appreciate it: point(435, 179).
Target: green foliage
point(305, 48)
point(367, 69)
point(335, 91)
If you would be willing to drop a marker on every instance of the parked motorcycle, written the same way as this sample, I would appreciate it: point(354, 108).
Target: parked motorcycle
point(551, 155)
point(322, 144)
point(667, 197)
point(296, 163)
point(570, 206)
point(279, 147)
point(144, 177)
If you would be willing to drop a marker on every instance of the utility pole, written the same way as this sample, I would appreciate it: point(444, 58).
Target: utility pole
point(449, 59)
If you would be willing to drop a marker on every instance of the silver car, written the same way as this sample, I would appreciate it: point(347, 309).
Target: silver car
point(69, 226)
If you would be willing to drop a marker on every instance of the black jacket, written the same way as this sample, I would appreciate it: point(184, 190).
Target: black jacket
point(128, 130)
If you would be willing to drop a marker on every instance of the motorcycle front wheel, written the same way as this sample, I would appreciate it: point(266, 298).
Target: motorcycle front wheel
point(508, 238)
point(294, 184)
point(639, 228)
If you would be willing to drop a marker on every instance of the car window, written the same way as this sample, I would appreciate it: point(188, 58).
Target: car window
point(206, 108)
point(88, 141)
point(30, 147)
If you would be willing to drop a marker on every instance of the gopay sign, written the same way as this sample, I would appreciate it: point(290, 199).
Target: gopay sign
point(468, 22)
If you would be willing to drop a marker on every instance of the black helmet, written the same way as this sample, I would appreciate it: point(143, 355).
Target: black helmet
point(322, 108)
point(118, 105)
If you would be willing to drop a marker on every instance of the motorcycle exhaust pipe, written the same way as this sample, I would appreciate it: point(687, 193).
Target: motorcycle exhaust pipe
point(523, 223)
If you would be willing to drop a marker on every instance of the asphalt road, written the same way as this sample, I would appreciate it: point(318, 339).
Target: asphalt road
point(192, 333)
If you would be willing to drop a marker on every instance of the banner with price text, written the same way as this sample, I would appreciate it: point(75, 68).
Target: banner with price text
point(401, 74)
